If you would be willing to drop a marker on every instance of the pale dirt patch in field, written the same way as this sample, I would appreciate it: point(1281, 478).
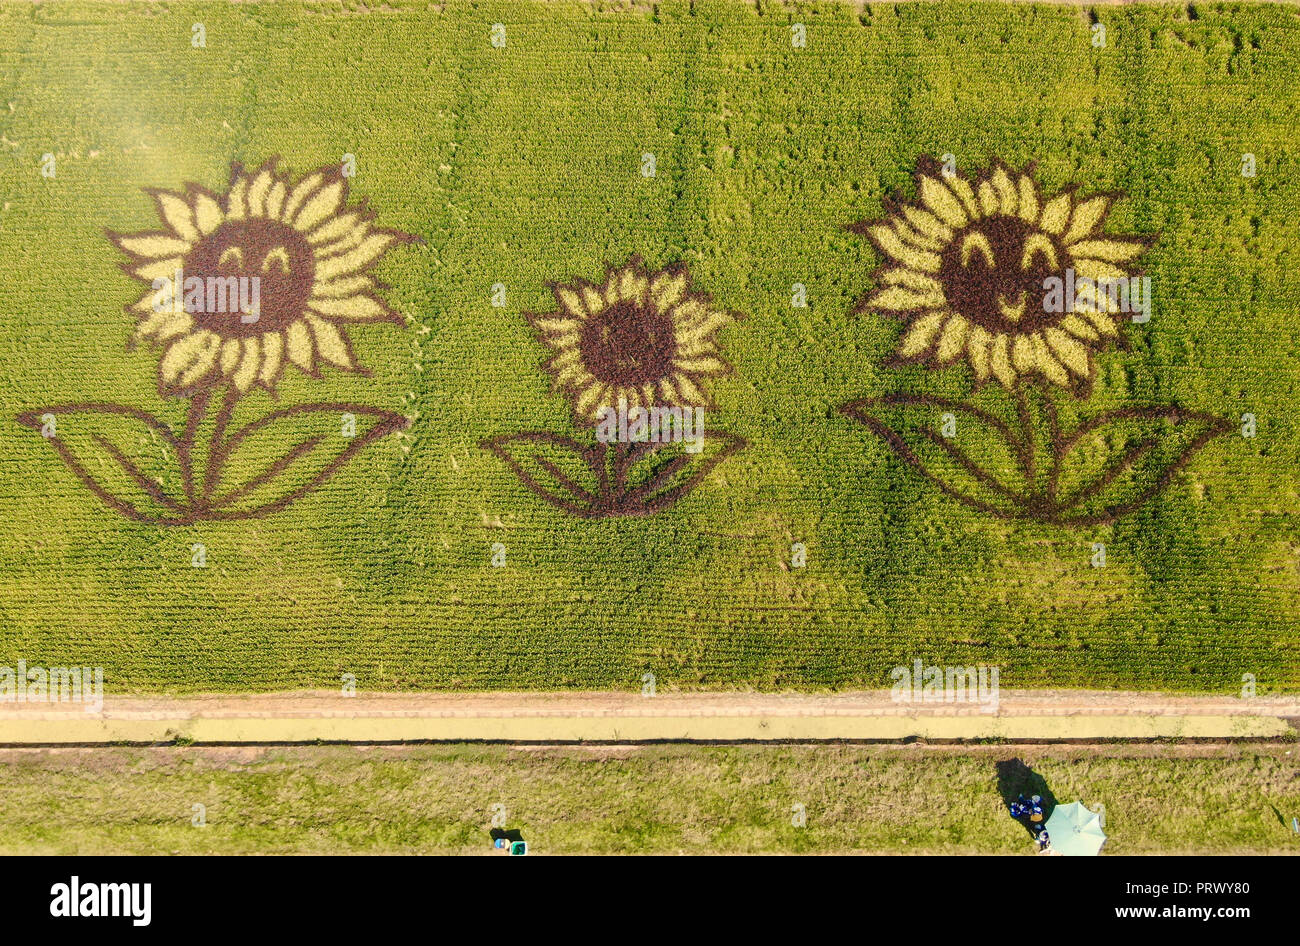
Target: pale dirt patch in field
point(306, 717)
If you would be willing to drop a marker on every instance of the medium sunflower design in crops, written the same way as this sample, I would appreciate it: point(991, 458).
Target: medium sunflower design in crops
point(269, 274)
point(1026, 290)
point(309, 252)
point(633, 354)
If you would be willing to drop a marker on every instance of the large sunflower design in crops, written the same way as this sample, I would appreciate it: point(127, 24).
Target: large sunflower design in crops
point(633, 354)
point(270, 274)
point(1026, 290)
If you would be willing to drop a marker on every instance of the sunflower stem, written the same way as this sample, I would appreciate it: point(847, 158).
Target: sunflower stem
point(218, 447)
point(1028, 438)
point(1054, 434)
point(194, 415)
point(1029, 431)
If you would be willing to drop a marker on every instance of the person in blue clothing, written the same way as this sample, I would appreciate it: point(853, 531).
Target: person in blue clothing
point(1019, 807)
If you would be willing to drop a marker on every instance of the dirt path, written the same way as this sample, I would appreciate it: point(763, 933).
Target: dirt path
point(615, 717)
point(324, 704)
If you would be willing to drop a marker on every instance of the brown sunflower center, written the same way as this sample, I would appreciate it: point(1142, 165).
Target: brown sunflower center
point(993, 272)
point(248, 277)
point(628, 344)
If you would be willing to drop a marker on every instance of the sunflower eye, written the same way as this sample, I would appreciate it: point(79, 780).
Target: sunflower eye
point(231, 255)
point(1038, 243)
point(279, 253)
point(976, 242)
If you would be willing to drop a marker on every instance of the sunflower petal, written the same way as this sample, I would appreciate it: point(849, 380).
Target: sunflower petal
point(204, 361)
point(229, 359)
point(560, 326)
point(236, 208)
point(246, 374)
point(952, 340)
point(977, 351)
point(164, 325)
point(257, 192)
point(1055, 214)
point(706, 366)
point(667, 290)
point(633, 287)
point(353, 308)
point(181, 354)
point(337, 228)
point(920, 334)
point(370, 250)
point(1048, 366)
point(902, 276)
point(1111, 250)
point(592, 398)
point(1070, 351)
point(343, 286)
point(179, 215)
point(275, 200)
point(272, 356)
point(571, 302)
point(941, 201)
point(567, 357)
point(321, 205)
point(896, 298)
point(1085, 218)
point(927, 223)
point(1103, 323)
point(988, 199)
point(300, 193)
point(1023, 355)
point(888, 242)
point(573, 375)
point(999, 363)
point(159, 300)
point(331, 344)
point(1097, 271)
point(351, 238)
point(207, 214)
point(961, 187)
point(153, 245)
point(593, 299)
point(299, 346)
point(692, 394)
point(1079, 327)
point(1006, 192)
point(159, 269)
point(915, 237)
point(1028, 200)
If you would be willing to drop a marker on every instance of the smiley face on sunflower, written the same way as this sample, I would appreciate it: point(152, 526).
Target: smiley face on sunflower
point(270, 272)
point(310, 253)
point(970, 263)
point(1025, 289)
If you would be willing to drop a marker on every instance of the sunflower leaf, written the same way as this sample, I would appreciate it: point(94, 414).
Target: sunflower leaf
point(1118, 460)
point(653, 476)
point(567, 474)
point(126, 457)
point(969, 453)
point(277, 459)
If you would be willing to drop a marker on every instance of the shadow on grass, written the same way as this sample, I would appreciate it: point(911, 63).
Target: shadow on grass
point(1016, 779)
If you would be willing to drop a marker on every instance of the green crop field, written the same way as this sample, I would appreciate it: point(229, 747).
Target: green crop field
point(654, 800)
point(473, 186)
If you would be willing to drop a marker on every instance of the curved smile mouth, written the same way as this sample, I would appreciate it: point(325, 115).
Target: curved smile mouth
point(1011, 312)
